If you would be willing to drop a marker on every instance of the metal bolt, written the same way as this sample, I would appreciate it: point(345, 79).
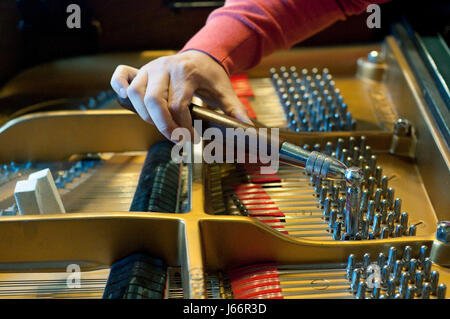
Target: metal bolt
point(375, 57)
point(443, 232)
point(402, 127)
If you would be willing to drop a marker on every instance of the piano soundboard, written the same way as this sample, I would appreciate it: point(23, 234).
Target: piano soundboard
point(136, 224)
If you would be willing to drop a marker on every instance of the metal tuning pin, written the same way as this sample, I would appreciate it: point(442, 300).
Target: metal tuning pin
point(384, 275)
point(412, 230)
point(441, 291)
point(403, 287)
point(426, 290)
point(326, 109)
point(407, 251)
point(384, 233)
point(376, 292)
point(353, 177)
point(337, 231)
point(419, 280)
point(404, 220)
point(423, 253)
point(412, 268)
point(356, 276)
point(392, 257)
point(350, 266)
point(390, 289)
point(397, 209)
point(366, 261)
point(381, 261)
point(410, 293)
point(361, 292)
point(397, 271)
point(426, 268)
point(434, 282)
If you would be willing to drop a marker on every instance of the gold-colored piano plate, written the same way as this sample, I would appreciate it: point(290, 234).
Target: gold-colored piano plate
point(195, 241)
point(52, 285)
point(110, 188)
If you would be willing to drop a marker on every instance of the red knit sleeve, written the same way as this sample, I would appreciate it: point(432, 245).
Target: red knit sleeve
point(240, 33)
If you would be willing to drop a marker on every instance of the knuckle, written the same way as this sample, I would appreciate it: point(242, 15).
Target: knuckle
point(188, 68)
point(177, 106)
point(186, 64)
point(157, 64)
point(121, 68)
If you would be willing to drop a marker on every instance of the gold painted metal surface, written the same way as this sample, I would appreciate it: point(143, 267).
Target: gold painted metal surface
point(432, 153)
point(32, 137)
point(96, 232)
point(52, 285)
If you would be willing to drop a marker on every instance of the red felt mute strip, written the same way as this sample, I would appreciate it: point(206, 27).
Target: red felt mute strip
point(243, 193)
point(261, 178)
point(255, 197)
point(265, 179)
point(251, 113)
point(241, 85)
point(249, 282)
point(265, 214)
point(256, 282)
point(251, 269)
point(263, 294)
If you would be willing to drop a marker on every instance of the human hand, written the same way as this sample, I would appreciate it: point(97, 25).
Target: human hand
point(161, 91)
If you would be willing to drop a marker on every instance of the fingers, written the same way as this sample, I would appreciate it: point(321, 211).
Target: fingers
point(232, 106)
point(121, 78)
point(181, 92)
point(162, 90)
point(156, 102)
point(136, 94)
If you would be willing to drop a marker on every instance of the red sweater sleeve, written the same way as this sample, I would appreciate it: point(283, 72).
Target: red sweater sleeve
point(240, 33)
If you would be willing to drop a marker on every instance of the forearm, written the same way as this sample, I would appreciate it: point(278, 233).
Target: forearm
point(239, 34)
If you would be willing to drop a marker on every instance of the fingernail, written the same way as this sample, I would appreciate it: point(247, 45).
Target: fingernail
point(123, 93)
point(244, 118)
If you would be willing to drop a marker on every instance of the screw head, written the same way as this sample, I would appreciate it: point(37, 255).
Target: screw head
point(375, 57)
point(443, 231)
point(354, 176)
point(402, 127)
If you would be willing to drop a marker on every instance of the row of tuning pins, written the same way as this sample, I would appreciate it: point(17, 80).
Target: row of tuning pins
point(380, 212)
point(218, 286)
point(13, 170)
point(102, 99)
point(67, 176)
point(396, 276)
point(311, 101)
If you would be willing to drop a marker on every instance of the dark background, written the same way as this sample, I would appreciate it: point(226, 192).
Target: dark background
point(34, 31)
